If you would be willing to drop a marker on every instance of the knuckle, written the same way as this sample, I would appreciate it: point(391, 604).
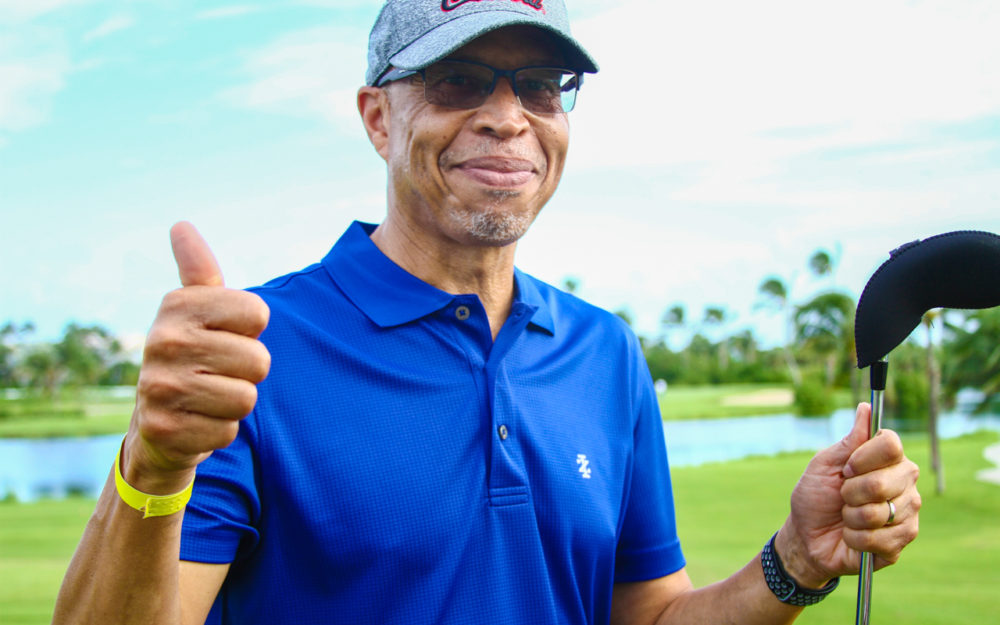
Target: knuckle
point(878, 486)
point(165, 342)
point(260, 313)
point(874, 516)
point(156, 386)
point(894, 445)
point(891, 557)
point(259, 363)
point(175, 301)
point(245, 400)
point(158, 428)
point(224, 434)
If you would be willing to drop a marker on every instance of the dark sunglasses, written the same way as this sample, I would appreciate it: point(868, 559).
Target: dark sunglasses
point(467, 84)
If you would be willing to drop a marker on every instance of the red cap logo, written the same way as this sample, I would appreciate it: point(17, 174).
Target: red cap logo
point(448, 5)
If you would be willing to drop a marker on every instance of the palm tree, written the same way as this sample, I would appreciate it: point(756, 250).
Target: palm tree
point(774, 295)
point(973, 359)
point(674, 320)
point(717, 316)
point(826, 323)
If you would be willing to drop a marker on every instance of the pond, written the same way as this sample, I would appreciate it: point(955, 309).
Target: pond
point(31, 469)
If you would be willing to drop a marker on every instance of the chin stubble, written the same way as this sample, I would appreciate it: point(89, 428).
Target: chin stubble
point(492, 224)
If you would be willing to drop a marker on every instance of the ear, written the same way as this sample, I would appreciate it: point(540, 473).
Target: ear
point(373, 104)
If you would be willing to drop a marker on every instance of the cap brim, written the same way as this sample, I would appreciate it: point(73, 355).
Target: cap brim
point(445, 39)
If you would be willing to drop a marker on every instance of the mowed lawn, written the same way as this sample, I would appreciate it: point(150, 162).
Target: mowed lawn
point(726, 513)
point(950, 575)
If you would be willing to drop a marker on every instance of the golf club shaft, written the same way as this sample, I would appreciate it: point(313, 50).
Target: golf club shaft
point(868, 560)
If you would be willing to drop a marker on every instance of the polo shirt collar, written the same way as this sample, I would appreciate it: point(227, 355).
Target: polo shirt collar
point(390, 296)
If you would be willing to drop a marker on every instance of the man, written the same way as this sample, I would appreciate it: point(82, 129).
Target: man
point(440, 438)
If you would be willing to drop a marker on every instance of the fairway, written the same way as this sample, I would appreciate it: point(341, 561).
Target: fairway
point(726, 512)
point(949, 575)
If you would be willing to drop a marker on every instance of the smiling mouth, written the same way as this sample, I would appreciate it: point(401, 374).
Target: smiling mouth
point(498, 172)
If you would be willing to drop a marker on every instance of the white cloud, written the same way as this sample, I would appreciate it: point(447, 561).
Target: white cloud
point(313, 73)
point(33, 68)
point(109, 27)
point(704, 81)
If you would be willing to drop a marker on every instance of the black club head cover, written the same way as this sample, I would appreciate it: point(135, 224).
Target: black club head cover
point(952, 270)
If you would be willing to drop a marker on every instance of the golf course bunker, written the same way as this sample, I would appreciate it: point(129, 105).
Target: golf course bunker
point(769, 397)
point(992, 475)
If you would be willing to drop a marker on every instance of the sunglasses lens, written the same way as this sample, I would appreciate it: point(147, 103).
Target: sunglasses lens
point(464, 85)
point(457, 85)
point(546, 90)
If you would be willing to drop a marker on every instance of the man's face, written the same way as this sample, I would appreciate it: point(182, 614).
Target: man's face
point(478, 176)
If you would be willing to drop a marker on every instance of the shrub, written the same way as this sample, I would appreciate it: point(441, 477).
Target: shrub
point(813, 398)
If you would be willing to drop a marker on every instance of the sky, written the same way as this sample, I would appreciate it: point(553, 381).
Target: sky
point(721, 143)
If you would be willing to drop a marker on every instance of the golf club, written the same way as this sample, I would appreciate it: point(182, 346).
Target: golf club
point(952, 270)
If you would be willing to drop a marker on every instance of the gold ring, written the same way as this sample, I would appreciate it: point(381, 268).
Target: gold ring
point(892, 512)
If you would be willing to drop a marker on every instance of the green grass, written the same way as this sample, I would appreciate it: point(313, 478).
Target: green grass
point(712, 402)
point(949, 575)
point(726, 512)
point(36, 543)
point(83, 412)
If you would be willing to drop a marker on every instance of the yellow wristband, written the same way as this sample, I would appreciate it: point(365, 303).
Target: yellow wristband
point(149, 505)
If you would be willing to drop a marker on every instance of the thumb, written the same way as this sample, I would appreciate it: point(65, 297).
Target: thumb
point(858, 435)
point(836, 456)
point(196, 264)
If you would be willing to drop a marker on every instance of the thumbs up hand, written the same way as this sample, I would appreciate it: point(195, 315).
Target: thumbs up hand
point(201, 364)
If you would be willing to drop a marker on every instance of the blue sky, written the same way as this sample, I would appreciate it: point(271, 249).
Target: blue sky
point(721, 143)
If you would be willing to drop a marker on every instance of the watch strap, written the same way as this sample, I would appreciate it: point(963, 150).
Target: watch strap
point(784, 586)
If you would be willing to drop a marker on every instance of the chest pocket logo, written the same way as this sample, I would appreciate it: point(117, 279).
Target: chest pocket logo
point(581, 459)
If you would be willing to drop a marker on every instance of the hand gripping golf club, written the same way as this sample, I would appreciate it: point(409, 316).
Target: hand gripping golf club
point(952, 270)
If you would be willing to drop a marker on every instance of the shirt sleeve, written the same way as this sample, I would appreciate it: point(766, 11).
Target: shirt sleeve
point(219, 522)
point(648, 545)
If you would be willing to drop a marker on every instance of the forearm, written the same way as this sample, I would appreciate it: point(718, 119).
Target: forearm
point(125, 569)
point(741, 599)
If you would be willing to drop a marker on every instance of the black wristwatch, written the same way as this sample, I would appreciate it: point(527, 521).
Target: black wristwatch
point(784, 587)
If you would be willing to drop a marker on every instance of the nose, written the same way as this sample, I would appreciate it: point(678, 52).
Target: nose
point(501, 114)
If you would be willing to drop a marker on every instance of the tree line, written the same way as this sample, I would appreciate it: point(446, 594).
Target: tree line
point(958, 349)
point(85, 355)
point(951, 351)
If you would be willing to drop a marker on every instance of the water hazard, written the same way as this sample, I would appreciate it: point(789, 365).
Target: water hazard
point(31, 469)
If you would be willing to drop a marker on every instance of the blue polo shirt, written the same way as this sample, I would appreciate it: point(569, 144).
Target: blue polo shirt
point(401, 466)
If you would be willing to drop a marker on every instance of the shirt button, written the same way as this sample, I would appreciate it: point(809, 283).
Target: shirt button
point(462, 313)
point(502, 430)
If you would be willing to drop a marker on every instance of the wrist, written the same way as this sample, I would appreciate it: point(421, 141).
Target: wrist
point(139, 469)
point(786, 588)
point(150, 504)
point(796, 561)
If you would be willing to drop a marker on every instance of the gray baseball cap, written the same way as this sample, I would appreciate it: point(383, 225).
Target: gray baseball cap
point(412, 34)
